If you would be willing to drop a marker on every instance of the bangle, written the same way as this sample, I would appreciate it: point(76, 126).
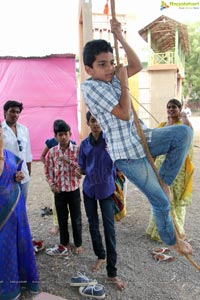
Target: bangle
point(1, 158)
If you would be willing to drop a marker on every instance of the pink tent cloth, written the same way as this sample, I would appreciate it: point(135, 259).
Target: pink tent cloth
point(47, 88)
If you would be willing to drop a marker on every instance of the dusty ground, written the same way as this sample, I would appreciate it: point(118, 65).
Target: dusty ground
point(146, 279)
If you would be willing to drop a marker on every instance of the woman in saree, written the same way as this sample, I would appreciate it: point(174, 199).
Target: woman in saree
point(181, 189)
point(17, 259)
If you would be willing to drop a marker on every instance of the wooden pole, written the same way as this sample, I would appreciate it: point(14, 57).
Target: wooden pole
point(112, 4)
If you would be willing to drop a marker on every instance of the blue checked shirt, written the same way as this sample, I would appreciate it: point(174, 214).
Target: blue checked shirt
point(121, 136)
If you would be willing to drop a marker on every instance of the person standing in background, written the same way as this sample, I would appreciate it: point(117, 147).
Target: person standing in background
point(181, 188)
point(50, 143)
point(61, 164)
point(16, 139)
point(18, 269)
point(186, 109)
point(98, 188)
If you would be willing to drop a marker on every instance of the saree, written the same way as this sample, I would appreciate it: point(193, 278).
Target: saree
point(119, 198)
point(18, 268)
point(181, 191)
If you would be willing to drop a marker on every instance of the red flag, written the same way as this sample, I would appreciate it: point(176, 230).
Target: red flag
point(106, 9)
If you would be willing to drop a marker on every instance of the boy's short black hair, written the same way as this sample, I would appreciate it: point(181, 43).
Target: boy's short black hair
point(88, 115)
point(94, 48)
point(12, 103)
point(61, 126)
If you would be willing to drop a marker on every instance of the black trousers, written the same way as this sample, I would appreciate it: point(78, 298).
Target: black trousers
point(106, 206)
point(66, 202)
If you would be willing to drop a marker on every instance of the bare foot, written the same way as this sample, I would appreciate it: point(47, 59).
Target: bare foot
point(183, 247)
point(120, 285)
point(54, 230)
point(98, 264)
point(78, 250)
point(69, 247)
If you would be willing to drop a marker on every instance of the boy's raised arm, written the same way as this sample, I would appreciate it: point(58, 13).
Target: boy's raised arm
point(134, 64)
point(123, 108)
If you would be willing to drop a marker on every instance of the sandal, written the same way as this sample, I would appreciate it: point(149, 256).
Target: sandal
point(38, 245)
point(160, 251)
point(46, 211)
point(163, 257)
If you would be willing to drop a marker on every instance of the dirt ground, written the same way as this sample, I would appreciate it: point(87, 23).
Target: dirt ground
point(145, 278)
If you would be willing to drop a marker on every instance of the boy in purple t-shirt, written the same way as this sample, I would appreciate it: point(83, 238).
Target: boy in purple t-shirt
point(98, 184)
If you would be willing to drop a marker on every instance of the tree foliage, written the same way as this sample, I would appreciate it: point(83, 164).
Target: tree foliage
point(191, 83)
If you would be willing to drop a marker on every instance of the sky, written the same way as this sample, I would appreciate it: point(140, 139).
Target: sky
point(43, 27)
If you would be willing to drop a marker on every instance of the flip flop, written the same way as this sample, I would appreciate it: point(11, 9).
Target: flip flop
point(160, 251)
point(46, 211)
point(163, 257)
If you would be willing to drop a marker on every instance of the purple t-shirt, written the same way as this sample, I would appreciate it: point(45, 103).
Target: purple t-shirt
point(95, 161)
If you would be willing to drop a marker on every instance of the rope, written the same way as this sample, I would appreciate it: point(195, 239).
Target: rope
point(112, 4)
point(133, 97)
point(146, 148)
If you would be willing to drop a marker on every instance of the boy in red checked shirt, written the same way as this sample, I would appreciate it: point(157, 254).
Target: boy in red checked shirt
point(61, 173)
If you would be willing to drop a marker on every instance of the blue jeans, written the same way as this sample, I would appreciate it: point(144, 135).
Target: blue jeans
point(174, 141)
point(106, 206)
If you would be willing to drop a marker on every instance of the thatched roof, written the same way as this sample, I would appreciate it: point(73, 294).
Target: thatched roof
point(163, 34)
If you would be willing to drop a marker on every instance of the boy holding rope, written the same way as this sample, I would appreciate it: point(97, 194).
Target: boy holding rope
point(108, 98)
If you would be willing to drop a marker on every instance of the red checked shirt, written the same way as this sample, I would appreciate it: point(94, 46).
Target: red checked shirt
point(60, 168)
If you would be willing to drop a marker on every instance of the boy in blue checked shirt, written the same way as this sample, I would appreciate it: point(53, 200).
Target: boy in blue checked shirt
point(95, 163)
point(107, 96)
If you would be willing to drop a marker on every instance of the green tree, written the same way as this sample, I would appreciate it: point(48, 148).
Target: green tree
point(191, 83)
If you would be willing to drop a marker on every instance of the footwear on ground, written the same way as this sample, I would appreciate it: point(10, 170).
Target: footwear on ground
point(164, 257)
point(57, 250)
point(38, 245)
point(82, 280)
point(93, 291)
point(46, 211)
